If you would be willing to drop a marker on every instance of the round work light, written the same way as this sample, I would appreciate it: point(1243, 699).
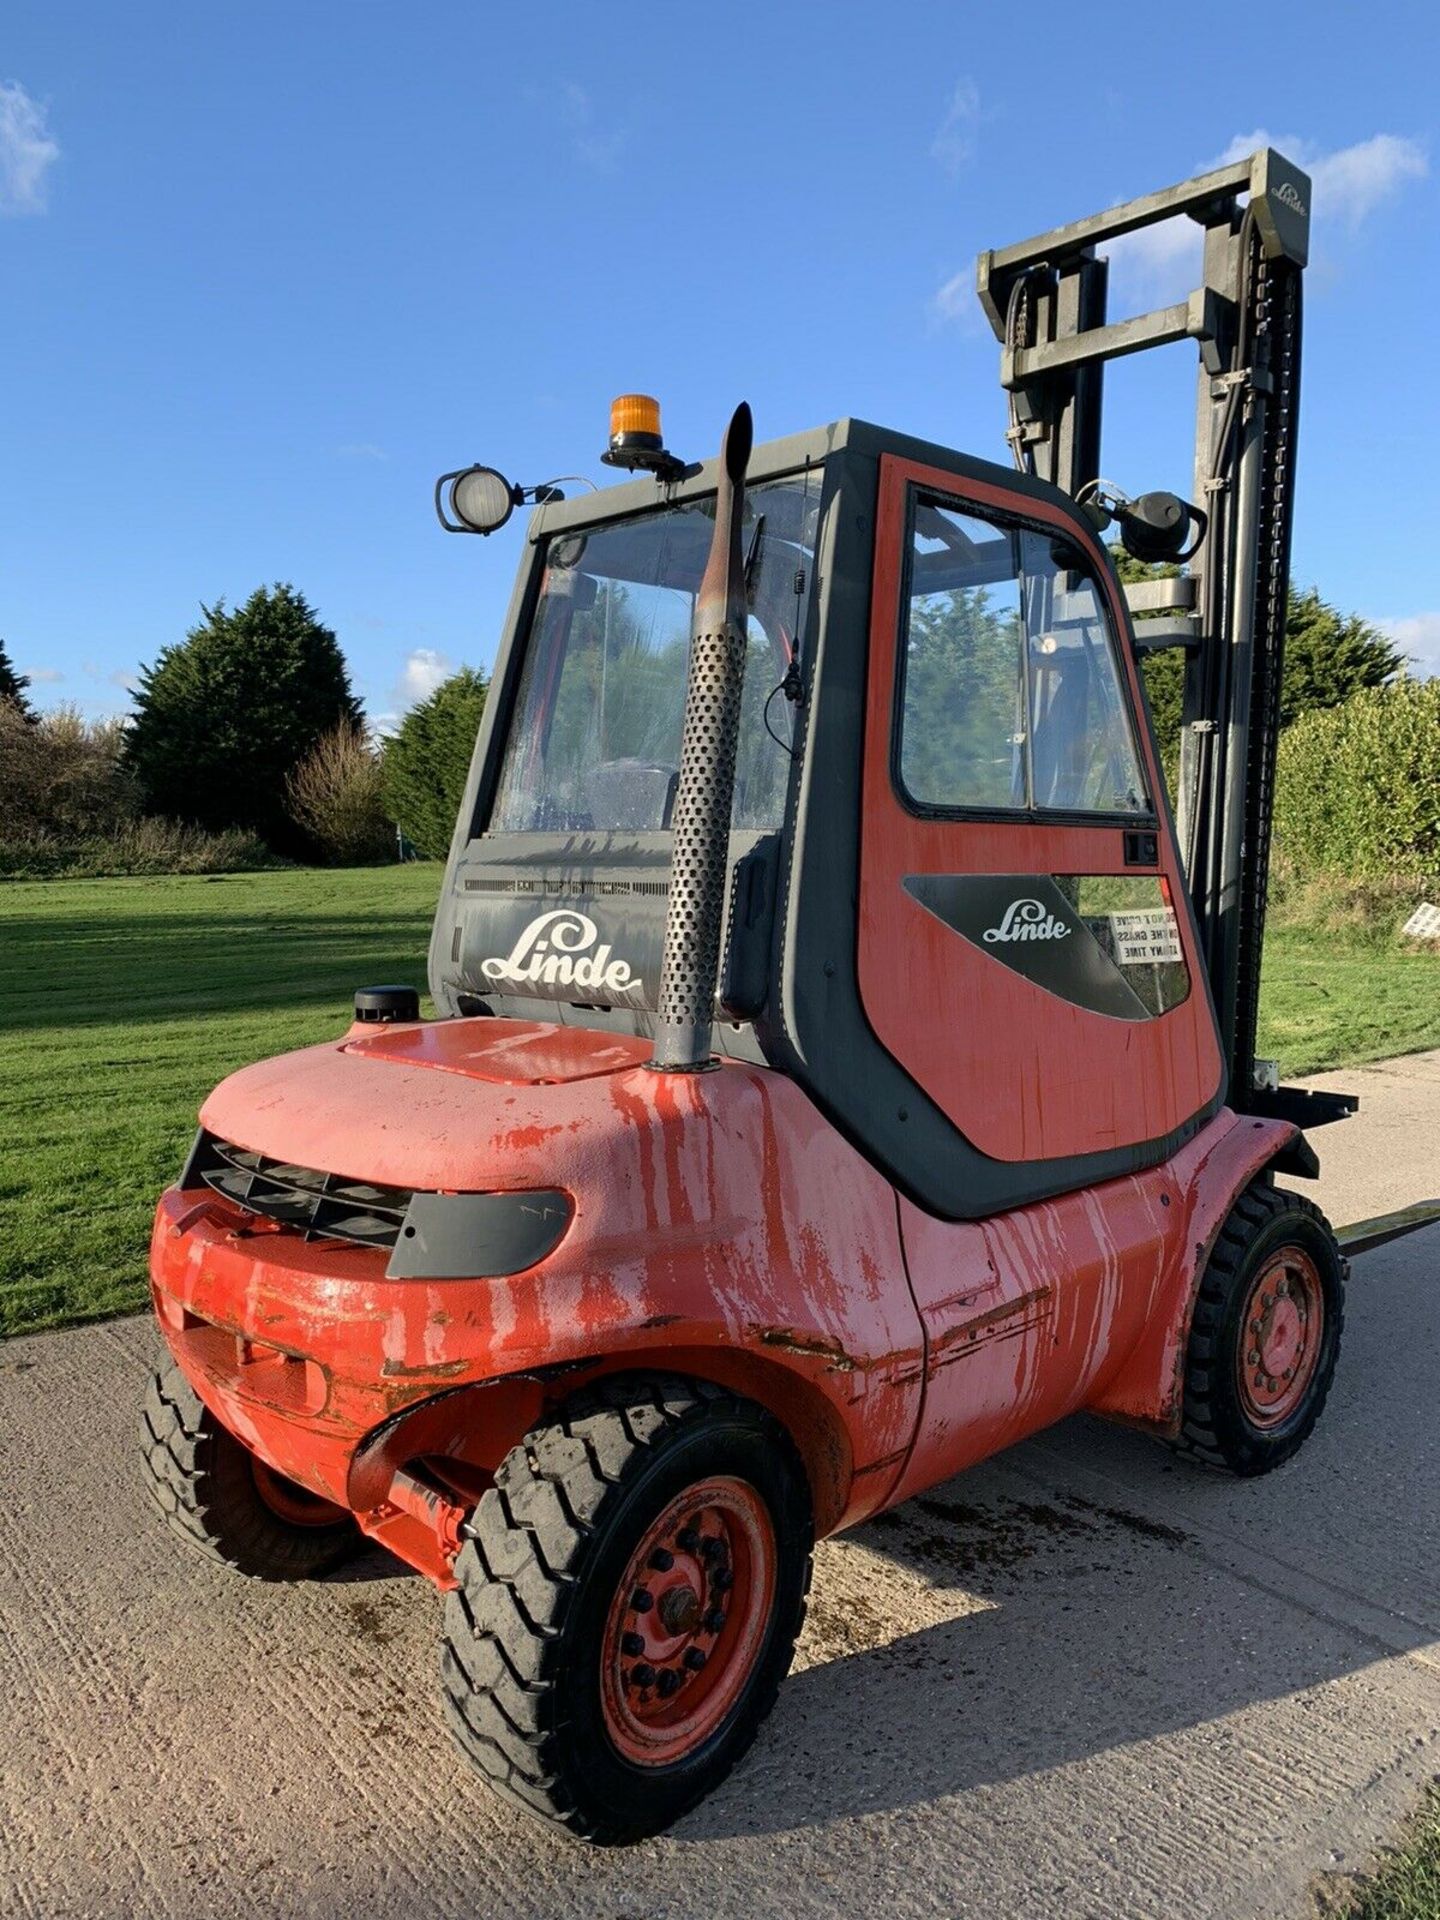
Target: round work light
point(481, 499)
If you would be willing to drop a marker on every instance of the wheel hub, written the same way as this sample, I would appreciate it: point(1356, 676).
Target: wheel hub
point(688, 1621)
point(680, 1610)
point(1283, 1323)
point(288, 1501)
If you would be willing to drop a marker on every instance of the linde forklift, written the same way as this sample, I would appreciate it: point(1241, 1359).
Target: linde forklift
point(844, 1067)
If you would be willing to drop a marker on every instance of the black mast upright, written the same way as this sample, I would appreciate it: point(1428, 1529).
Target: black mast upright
point(1046, 300)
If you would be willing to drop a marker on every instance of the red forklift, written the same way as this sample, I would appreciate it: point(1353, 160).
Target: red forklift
point(843, 1066)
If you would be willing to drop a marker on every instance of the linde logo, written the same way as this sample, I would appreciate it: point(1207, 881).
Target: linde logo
point(1288, 194)
point(555, 951)
point(1026, 920)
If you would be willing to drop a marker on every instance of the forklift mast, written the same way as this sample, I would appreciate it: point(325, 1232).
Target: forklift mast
point(1046, 299)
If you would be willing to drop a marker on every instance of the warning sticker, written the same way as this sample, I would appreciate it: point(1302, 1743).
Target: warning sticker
point(1143, 937)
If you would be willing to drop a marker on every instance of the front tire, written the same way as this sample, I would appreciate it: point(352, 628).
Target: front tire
point(628, 1604)
point(223, 1502)
point(1265, 1335)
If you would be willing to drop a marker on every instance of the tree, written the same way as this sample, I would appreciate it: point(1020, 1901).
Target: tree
point(335, 797)
point(224, 718)
point(427, 762)
point(963, 699)
point(13, 685)
point(1328, 656)
point(61, 774)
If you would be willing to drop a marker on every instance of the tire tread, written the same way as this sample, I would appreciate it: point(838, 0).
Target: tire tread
point(518, 1573)
point(208, 1510)
point(1202, 1437)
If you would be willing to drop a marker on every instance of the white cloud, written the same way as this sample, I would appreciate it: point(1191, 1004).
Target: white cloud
point(595, 146)
point(954, 145)
point(1164, 262)
point(1418, 634)
point(956, 304)
point(1350, 182)
point(27, 151)
point(952, 301)
point(424, 671)
point(43, 676)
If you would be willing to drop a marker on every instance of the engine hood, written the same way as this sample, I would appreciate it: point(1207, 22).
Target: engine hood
point(507, 1053)
point(455, 1105)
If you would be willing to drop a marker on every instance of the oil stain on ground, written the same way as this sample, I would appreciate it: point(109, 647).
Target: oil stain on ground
point(967, 1540)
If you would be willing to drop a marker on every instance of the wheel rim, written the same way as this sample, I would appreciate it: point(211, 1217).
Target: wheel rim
point(687, 1621)
point(1281, 1331)
point(294, 1504)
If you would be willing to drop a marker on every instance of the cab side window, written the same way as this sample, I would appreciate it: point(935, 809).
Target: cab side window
point(1012, 699)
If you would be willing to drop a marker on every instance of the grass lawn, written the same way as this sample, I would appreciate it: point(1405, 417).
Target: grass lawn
point(122, 1002)
point(1407, 1886)
point(1334, 999)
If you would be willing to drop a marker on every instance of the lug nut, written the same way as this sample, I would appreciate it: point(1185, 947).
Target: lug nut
point(688, 1540)
point(669, 1682)
point(643, 1675)
point(631, 1644)
point(662, 1559)
point(694, 1658)
point(722, 1579)
point(641, 1600)
point(1259, 1379)
point(712, 1549)
point(714, 1620)
point(1253, 1357)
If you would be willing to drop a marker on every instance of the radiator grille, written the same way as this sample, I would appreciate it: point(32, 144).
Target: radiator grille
point(321, 1206)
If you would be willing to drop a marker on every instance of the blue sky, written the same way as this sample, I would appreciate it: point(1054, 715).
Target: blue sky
point(269, 269)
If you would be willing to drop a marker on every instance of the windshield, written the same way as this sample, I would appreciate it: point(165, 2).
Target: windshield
point(595, 745)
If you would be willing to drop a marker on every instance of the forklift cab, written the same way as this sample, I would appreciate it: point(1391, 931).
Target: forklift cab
point(953, 881)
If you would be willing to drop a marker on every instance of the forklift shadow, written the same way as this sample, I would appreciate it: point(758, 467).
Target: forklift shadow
point(1041, 1623)
point(372, 1563)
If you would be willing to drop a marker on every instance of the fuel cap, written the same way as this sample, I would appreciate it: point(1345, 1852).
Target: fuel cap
point(380, 1004)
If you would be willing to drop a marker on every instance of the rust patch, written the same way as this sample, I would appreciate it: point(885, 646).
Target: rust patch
point(427, 1370)
point(662, 1320)
point(1001, 1322)
point(812, 1346)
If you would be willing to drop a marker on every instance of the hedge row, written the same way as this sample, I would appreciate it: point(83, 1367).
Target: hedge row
point(1358, 786)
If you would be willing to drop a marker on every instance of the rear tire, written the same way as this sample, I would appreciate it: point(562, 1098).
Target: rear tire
point(1265, 1336)
point(628, 1604)
point(223, 1502)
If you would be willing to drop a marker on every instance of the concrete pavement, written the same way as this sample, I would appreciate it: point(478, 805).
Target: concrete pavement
point(1082, 1680)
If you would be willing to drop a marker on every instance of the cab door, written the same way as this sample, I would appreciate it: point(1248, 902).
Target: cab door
point(1025, 951)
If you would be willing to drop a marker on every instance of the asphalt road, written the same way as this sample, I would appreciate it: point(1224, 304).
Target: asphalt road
point(1082, 1680)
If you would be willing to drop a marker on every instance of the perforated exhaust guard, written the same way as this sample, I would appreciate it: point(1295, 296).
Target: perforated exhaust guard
point(704, 796)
